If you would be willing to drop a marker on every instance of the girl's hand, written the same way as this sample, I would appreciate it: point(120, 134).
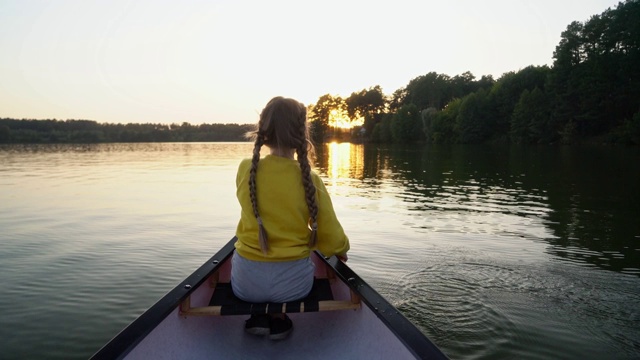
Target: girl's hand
point(343, 258)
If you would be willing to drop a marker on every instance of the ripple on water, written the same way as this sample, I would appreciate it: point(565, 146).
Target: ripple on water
point(458, 312)
point(485, 309)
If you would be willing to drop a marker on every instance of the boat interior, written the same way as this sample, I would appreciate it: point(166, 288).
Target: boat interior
point(337, 328)
point(343, 318)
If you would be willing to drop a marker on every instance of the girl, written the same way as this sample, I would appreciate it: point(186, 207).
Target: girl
point(286, 213)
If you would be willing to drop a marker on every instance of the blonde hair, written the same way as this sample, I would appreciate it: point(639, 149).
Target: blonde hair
point(283, 124)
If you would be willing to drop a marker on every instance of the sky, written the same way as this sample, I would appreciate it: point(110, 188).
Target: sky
point(220, 61)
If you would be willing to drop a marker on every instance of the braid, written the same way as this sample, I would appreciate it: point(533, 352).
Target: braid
point(309, 188)
point(262, 234)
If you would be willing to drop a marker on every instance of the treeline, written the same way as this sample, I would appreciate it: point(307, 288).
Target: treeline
point(592, 92)
point(88, 131)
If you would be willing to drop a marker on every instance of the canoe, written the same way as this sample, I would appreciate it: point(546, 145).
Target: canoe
point(343, 318)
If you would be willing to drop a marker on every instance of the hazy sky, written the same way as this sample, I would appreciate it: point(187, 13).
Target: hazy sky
point(220, 61)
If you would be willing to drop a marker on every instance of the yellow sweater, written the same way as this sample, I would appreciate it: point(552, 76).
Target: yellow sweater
point(284, 213)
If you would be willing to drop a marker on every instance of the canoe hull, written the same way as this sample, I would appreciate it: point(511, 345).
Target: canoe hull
point(374, 331)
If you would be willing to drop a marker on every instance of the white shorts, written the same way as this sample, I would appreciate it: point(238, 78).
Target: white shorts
point(271, 281)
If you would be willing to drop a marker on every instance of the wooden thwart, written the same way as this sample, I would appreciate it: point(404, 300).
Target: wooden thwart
point(327, 305)
point(224, 302)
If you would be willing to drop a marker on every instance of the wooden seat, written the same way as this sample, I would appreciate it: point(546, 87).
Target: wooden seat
point(224, 302)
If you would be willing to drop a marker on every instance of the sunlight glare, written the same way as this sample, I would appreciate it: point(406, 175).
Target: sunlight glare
point(345, 161)
point(339, 119)
point(339, 156)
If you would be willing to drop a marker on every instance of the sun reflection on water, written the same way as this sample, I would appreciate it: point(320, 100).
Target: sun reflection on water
point(345, 161)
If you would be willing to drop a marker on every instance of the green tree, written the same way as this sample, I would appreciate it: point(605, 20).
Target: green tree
point(595, 83)
point(365, 101)
point(320, 115)
point(382, 130)
point(367, 104)
point(430, 90)
point(443, 125)
point(504, 95)
point(406, 124)
point(5, 133)
point(397, 99)
point(427, 116)
point(473, 122)
point(530, 120)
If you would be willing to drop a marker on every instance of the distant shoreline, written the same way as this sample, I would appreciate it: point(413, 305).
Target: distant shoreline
point(13, 131)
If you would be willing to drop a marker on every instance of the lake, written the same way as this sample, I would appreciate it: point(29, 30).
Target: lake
point(494, 252)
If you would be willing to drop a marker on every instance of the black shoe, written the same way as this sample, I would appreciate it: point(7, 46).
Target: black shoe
point(280, 328)
point(258, 325)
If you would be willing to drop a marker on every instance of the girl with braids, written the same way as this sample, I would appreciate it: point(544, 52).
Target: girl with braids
point(286, 213)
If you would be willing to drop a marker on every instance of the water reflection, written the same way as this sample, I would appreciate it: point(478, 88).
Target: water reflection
point(477, 245)
point(345, 160)
point(583, 201)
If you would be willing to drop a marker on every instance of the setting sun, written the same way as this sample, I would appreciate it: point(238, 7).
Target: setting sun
point(339, 119)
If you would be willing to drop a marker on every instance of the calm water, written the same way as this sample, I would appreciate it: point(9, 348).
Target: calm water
point(494, 252)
